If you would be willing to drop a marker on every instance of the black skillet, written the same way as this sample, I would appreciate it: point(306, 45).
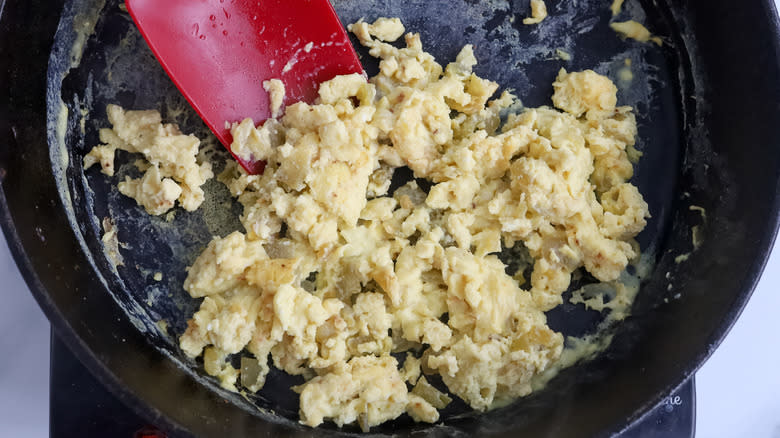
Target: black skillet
point(708, 106)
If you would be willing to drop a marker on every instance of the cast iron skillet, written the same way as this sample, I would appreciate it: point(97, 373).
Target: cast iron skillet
point(707, 105)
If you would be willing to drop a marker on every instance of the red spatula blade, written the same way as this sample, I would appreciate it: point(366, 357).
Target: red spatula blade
point(219, 52)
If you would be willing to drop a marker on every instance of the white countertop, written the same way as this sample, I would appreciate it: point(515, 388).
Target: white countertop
point(737, 390)
point(24, 363)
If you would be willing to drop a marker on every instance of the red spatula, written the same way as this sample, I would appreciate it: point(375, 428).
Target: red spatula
point(219, 52)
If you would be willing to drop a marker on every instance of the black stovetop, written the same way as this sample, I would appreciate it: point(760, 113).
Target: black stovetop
point(81, 406)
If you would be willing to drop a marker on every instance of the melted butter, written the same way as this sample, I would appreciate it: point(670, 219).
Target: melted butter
point(84, 26)
point(575, 350)
point(624, 75)
point(617, 297)
point(697, 234)
point(701, 211)
point(62, 129)
point(682, 258)
point(62, 153)
point(83, 120)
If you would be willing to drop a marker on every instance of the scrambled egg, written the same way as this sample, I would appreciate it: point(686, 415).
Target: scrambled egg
point(636, 31)
point(538, 12)
point(171, 170)
point(616, 6)
point(333, 273)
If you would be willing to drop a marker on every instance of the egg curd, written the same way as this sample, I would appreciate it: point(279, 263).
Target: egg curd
point(364, 292)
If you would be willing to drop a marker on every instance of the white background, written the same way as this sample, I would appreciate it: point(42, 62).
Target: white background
point(738, 389)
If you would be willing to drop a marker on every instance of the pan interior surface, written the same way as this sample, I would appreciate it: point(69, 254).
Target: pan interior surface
point(688, 180)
